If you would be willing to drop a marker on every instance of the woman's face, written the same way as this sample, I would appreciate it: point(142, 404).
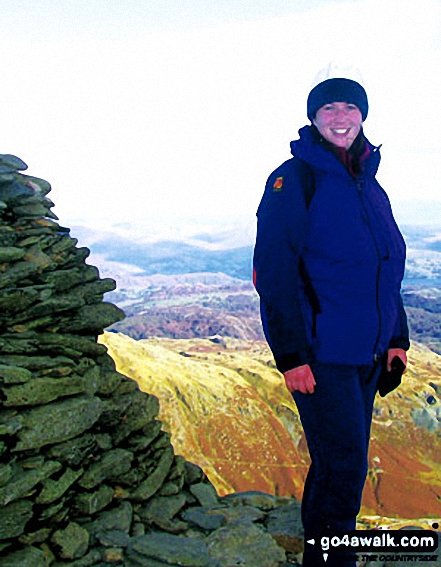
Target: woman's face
point(339, 123)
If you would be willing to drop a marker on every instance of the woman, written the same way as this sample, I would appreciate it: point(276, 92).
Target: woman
point(329, 261)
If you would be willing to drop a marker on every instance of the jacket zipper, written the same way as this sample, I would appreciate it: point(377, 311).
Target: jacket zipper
point(360, 184)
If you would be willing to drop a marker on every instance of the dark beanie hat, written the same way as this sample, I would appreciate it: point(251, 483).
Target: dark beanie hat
point(337, 90)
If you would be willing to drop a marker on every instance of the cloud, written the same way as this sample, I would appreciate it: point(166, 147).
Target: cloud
point(174, 123)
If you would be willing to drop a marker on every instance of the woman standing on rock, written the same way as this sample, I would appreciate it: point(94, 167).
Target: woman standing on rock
point(329, 261)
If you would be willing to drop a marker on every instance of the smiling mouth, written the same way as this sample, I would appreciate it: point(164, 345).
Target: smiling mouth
point(340, 131)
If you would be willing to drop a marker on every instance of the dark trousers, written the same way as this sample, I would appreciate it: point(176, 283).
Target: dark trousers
point(336, 419)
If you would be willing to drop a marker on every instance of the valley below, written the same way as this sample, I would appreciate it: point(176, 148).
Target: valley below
point(227, 410)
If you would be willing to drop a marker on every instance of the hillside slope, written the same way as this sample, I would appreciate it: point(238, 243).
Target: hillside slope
point(228, 410)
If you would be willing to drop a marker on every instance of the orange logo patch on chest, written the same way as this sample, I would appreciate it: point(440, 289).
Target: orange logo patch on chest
point(278, 184)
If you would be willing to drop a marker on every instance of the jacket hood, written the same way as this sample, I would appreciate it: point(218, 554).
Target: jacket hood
point(308, 148)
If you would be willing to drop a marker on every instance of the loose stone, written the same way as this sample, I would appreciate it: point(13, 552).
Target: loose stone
point(243, 543)
point(91, 503)
point(73, 541)
point(13, 518)
point(53, 489)
point(172, 550)
point(28, 557)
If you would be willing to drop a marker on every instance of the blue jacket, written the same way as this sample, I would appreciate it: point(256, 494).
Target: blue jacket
point(328, 275)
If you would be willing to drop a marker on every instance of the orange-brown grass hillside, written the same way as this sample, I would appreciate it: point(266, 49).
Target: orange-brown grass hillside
point(405, 471)
point(228, 410)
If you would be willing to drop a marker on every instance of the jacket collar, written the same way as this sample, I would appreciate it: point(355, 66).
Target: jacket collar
point(308, 148)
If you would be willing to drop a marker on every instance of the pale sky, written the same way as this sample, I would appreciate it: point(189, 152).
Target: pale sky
point(170, 109)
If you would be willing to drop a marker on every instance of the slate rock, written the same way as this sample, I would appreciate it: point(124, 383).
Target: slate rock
point(95, 318)
point(109, 382)
point(31, 325)
point(13, 162)
point(113, 555)
point(55, 305)
point(155, 480)
point(57, 422)
point(171, 488)
point(90, 503)
point(35, 537)
point(43, 186)
point(92, 381)
point(193, 473)
point(5, 473)
point(9, 345)
point(18, 271)
point(114, 538)
point(205, 494)
point(170, 549)
point(119, 518)
point(285, 526)
point(79, 346)
point(10, 422)
point(140, 442)
point(243, 543)
point(13, 518)
point(14, 374)
point(207, 519)
point(160, 508)
point(73, 542)
point(74, 451)
point(127, 387)
point(113, 411)
point(135, 562)
point(37, 363)
point(24, 481)
point(27, 557)
point(55, 512)
point(13, 193)
point(142, 410)
point(42, 391)
point(93, 558)
point(11, 253)
point(31, 210)
point(17, 300)
point(103, 441)
point(177, 471)
point(241, 513)
point(62, 280)
point(256, 499)
point(108, 466)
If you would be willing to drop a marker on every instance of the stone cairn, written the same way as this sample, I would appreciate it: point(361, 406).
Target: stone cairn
point(87, 476)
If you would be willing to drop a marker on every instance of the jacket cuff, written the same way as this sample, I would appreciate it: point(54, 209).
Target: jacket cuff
point(285, 362)
point(399, 342)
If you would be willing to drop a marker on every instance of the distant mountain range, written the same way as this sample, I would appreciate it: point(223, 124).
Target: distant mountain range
point(170, 258)
point(201, 286)
point(178, 258)
point(230, 251)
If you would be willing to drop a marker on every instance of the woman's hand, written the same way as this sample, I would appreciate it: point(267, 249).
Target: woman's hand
point(392, 353)
point(300, 379)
